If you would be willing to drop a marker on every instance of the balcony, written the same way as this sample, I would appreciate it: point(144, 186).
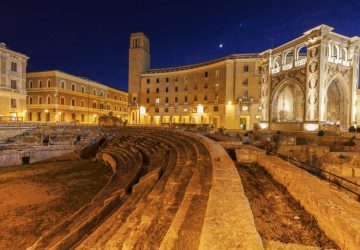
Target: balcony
point(300, 62)
point(287, 66)
point(275, 70)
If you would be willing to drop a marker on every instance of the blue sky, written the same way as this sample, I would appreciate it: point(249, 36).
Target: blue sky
point(91, 39)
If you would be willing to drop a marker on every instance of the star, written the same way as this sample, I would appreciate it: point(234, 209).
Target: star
point(221, 45)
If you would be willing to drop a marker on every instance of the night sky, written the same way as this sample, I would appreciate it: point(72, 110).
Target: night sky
point(91, 38)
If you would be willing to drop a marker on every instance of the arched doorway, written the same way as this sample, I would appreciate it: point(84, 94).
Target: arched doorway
point(288, 103)
point(337, 104)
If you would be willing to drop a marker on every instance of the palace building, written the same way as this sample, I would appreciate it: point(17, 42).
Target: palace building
point(308, 83)
point(12, 84)
point(58, 97)
point(223, 92)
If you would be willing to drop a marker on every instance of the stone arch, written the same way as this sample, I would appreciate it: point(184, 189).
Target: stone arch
point(287, 102)
point(337, 101)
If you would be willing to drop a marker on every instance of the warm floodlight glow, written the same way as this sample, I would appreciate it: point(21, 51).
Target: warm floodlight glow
point(245, 108)
point(264, 125)
point(142, 110)
point(229, 103)
point(311, 126)
point(46, 111)
point(59, 113)
point(200, 109)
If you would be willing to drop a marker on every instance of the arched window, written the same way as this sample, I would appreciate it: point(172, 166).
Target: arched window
point(336, 52)
point(82, 89)
point(30, 100)
point(62, 84)
point(101, 93)
point(30, 84)
point(73, 87)
point(94, 91)
point(301, 53)
point(48, 100)
point(82, 104)
point(40, 84)
point(276, 62)
point(108, 107)
point(39, 100)
point(344, 54)
point(72, 102)
point(94, 105)
point(62, 101)
point(101, 106)
point(108, 95)
point(48, 83)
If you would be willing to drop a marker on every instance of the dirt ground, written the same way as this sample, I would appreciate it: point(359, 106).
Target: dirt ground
point(278, 216)
point(35, 197)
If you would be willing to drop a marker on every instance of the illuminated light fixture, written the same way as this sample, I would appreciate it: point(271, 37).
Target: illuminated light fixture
point(260, 108)
point(142, 110)
point(264, 125)
point(185, 109)
point(244, 108)
point(46, 111)
point(229, 103)
point(25, 111)
point(311, 126)
point(14, 115)
point(95, 115)
point(118, 116)
point(200, 109)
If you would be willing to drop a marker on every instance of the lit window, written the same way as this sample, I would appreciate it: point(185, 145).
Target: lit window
point(157, 100)
point(14, 67)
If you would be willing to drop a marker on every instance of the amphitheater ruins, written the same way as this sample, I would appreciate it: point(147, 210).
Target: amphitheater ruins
point(137, 187)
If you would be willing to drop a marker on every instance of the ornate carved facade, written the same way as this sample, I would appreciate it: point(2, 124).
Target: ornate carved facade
point(321, 67)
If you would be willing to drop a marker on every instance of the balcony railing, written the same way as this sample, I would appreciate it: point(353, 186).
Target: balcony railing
point(300, 62)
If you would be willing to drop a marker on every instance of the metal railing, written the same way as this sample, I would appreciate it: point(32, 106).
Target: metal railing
point(350, 186)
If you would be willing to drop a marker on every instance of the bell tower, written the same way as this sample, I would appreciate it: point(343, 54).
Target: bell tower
point(139, 62)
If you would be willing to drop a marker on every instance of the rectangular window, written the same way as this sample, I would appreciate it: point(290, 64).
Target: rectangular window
point(176, 99)
point(147, 80)
point(157, 80)
point(186, 99)
point(166, 110)
point(73, 117)
point(148, 100)
point(156, 110)
point(167, 79)
point(39, 116)
point(148, 90)
point(157, 100)
point(246, 81)
point(47, 117)
point(13, 103)
point(30, 116)
point(216, 108)
point(82, 117)
point(166, 99)
point(245, 94)
point(206, 74)
point(14, 67)
point(195, 99)
point(176, 89)
point(246, 68)
point(13, 84)
point(157, 90)
point(217, 73)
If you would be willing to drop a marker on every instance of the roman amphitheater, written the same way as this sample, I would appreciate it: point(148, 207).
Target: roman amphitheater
point(137, 187)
